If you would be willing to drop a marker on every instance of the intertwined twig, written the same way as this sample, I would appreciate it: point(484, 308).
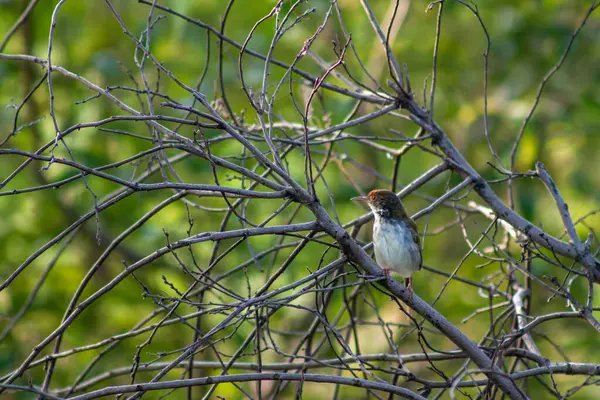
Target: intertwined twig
point(285, 296)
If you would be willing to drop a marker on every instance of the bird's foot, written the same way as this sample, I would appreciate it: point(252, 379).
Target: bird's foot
point(386, 271)
point(408, 284)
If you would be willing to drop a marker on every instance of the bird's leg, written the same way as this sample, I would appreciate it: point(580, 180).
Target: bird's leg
point(386, 271)
point(408, 284)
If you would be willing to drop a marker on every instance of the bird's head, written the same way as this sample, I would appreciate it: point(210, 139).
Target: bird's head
point(383, 203)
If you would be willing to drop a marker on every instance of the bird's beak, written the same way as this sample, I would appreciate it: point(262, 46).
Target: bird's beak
point(361, 199)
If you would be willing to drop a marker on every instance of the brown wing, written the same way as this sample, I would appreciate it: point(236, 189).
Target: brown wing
point(415, 235)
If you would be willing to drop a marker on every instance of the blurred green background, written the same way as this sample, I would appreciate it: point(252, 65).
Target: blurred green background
point(527, 39)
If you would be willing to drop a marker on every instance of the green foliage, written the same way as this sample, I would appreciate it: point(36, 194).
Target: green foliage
point(527, 39)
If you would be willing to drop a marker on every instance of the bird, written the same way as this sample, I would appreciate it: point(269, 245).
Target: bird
point(395, 235)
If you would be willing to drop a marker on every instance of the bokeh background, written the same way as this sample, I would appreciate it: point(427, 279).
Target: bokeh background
point(527, 40)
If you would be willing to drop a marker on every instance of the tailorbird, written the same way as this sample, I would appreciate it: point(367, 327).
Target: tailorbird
point(395, 236)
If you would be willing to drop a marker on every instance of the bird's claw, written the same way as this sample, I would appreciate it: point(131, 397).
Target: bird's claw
point(409, 287)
